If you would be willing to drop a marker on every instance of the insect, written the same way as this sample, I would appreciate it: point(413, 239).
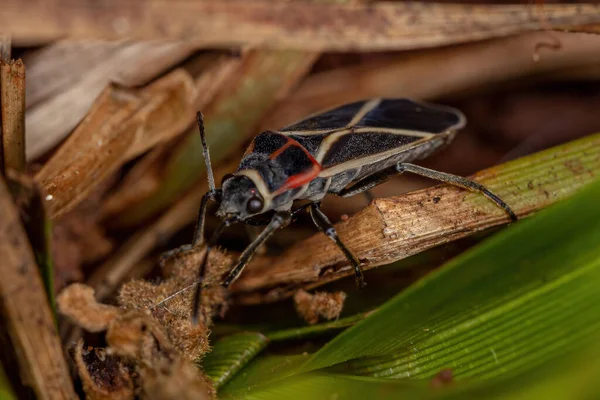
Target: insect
point(343, 151)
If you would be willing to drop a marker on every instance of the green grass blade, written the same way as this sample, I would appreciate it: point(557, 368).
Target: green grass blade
point(509, 305)
point(552, 254)
point(572, 376)
point(231, 354)
point(316, 330)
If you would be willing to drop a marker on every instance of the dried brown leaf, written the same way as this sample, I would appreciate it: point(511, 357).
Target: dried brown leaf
point(122, 124)
point(79, 238)
point(65, 78)
point(147, 175)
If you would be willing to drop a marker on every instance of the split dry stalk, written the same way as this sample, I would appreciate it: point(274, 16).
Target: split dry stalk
point(12, 98)
point(5, 51)
point(147, 175)
point(65, 78)
point(300, 25)
point(25, 311)
point(394, 228)
point(122, 124)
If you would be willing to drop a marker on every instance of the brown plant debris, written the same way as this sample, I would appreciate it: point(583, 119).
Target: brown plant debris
point(25, 311)
point(170, 302)
point(103, 376)
point(78, 303)
point(158, 340)
point(306, 25)
point(79, 239)
point(122, 124)
point(163, 372)
point(312, 307)
point(12, 94)
point(67, 76)
point(416, 73)
point(231, 117)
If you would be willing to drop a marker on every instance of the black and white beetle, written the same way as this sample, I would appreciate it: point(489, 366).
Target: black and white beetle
point(343, 151)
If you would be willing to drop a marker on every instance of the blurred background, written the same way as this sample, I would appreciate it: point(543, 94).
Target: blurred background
point(112, 90)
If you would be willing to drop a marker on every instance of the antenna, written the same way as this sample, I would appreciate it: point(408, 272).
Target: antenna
point(205, 152)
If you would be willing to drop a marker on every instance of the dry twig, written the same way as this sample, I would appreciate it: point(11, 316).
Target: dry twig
point(314, 26)
point(25, 310)
point(12, 87)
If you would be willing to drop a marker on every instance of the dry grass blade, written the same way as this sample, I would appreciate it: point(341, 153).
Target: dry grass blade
point(263, 78)
point(418, 74)
point(122, 124)
point(12, 90)
point(394, 228)
point(314, 26)
point(65, 79)
point(25, 311)
point(147, 175)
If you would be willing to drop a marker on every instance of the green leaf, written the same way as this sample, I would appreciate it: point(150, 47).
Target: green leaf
point(514, 303)
point(232, 353)
point(565, 377)
point(316, 330)
point(263, 369)
point(533, 284)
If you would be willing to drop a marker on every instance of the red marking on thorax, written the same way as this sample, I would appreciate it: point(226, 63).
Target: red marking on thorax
point(302, 178)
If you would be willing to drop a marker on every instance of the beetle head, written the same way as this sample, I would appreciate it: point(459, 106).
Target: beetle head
point(241, 199)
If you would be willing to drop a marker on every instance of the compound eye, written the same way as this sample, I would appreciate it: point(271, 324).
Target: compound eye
point(255, 205)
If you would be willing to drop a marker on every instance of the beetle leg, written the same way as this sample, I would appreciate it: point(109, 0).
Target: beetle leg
point(279, 220)
point(202, 270)
point(456, 181)
point(324, 225)
point(214, 195)
point(380, 177)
